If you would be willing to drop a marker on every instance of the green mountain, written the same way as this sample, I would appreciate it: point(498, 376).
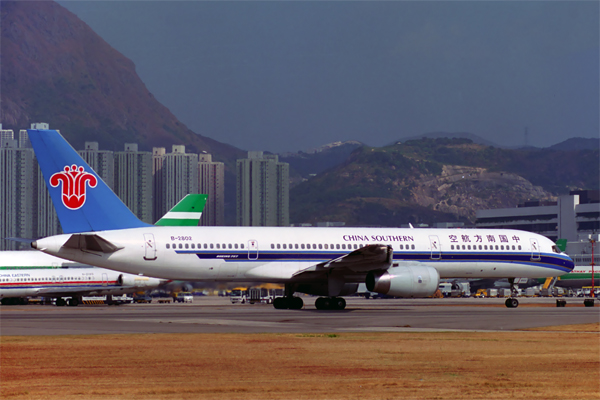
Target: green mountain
point(438, 180)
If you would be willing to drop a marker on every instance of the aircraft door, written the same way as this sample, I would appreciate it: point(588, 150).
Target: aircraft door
point(535, 249)
point(252, 250)
point(149, 247)
point(104, 280)
point(434, 243)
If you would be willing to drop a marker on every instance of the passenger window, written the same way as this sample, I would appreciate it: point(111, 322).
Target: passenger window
point(485, 246)
point(206, 246)
point(502, 247)
point(230, 246)
point(343, 246)
point(212, 246)
point(320, 246)
point(193, 246)
point(496, 247)
point(242, 245)
point(278, 246)
point(224, 246)
point(168, 246)
point(337, 246)
point(187, 246)
point(296, 246)
point(463, 247)
point(302, 246)
point(284, 246)
point(272, 245)
point(513, 247)
point(451, 247)
point(235, 245)
point(480, 247)
point(326, 246)
point(218, 246)
point(180, 246)
point(413, 246)
point(519, 247)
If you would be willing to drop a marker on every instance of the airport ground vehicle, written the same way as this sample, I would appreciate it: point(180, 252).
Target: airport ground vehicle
point(239, 295)
point(142, 298)
point(184, 297)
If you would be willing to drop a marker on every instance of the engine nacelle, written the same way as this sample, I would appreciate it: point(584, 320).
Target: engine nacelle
point(404, 281)
point(137, 281)
point(125, 280)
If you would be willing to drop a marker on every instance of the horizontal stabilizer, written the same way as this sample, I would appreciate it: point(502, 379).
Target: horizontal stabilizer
point(20, 240)
point(90, 243)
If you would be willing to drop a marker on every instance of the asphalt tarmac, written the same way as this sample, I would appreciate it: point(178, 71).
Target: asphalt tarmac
point(218, 315)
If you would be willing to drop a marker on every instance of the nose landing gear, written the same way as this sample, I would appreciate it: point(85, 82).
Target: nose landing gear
point(511, 302)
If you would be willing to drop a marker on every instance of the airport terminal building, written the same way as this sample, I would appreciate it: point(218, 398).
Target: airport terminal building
point(574, 217)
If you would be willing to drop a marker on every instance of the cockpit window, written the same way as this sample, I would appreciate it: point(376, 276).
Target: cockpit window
point(556, 249)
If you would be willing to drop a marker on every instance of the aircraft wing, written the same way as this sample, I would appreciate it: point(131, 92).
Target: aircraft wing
point(367, 258)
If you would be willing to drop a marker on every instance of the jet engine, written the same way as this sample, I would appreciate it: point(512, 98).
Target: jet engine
point(137, 281)
point(404, 281)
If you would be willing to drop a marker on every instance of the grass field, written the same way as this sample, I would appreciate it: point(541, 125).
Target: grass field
point(507, 365)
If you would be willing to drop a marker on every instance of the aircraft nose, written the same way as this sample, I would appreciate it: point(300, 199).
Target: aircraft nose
point(569, 263)
point(34, 244)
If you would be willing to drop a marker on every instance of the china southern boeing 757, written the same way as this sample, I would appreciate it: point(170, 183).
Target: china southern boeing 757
point(329, 262)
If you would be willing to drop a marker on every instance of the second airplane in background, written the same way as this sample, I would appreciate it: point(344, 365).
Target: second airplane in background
point(34, 274)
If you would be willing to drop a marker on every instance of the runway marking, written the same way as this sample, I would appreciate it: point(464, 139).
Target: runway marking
point(211, 321)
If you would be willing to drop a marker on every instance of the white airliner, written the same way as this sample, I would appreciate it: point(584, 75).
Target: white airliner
point(328, 262)
point(48, 276)
point(35, 274)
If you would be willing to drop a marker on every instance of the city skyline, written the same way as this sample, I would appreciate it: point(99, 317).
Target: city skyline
point(27, 210)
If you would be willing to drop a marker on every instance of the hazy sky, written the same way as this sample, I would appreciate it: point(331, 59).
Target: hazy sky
point(288, 76)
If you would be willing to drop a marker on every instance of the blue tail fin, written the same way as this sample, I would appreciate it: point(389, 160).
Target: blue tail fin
point(82, 200)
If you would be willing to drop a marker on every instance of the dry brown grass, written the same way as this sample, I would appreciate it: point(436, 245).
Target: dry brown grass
point(452, 365)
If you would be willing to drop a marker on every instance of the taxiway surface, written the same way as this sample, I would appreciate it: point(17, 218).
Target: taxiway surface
point(218, 315)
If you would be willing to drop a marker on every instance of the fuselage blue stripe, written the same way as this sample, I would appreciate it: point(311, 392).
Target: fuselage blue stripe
point(546, 260)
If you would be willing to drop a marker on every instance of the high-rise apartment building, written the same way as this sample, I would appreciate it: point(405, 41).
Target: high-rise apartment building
point(133, 180)
point(211, 178)
point(16, 191)
point(158, 159)
point(44, 219)
point(25, 204)
point(262, 191)
point(175, 176)
point(101, 161)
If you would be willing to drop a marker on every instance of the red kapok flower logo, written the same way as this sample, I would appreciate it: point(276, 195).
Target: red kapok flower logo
point(73, 181)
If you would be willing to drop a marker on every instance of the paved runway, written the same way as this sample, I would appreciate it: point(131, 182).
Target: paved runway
point(218, 315)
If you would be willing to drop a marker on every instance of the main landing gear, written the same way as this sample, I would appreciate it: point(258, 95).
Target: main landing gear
point(511, 302)
point(330, 303)
point(289, 301)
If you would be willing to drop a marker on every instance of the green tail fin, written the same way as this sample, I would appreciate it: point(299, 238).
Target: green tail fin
point(185, 213)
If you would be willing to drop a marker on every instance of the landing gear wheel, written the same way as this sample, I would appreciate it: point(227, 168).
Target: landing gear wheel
point(511, 303)
point(280, 303)
point(338, 303)
point(73, 302)
point(296, 303)
point(60, 302)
